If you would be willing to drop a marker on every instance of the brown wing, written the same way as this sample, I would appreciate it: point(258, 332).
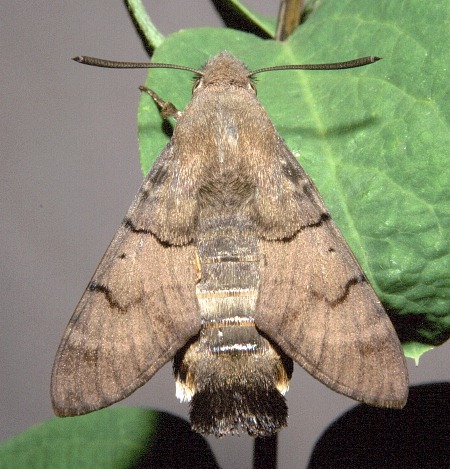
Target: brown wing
point(317, 305)
point(138, 310)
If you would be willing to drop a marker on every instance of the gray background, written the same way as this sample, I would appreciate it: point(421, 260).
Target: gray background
point(69, 172)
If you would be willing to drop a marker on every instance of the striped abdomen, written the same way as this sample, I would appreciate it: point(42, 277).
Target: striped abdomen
point(232, 375)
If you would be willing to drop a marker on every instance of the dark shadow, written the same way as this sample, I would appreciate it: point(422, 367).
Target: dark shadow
point(167, 128)
point(175, 445)
point(233, 18)
point(408, 328)
point(366, 437)
point(309, 9)
point(344, 129)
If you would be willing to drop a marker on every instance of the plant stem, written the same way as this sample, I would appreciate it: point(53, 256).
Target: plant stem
point(288, 18)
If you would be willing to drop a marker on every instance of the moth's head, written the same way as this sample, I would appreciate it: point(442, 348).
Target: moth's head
point(224, 70)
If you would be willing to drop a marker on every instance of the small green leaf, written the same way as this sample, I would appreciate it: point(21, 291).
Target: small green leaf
point(374, 140)
point(119, 437)
point(415, 350)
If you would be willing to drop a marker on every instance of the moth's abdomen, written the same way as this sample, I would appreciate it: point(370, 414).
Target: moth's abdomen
point(233, 376)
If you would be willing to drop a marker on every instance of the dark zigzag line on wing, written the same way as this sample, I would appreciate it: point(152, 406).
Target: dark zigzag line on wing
point(324, 217)
point(352, 282)
point(127, 223)
point(98, 287)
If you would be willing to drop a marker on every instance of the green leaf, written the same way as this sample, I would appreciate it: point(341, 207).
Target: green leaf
point(375, 139)
point(119, 437)
point(415, 350)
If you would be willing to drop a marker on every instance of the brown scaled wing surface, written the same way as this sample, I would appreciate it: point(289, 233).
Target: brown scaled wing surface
point(138, 310)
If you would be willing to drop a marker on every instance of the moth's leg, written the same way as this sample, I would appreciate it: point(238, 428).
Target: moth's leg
point(167, 109)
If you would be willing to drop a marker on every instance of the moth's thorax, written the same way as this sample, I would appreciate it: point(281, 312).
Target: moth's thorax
point(219, 125)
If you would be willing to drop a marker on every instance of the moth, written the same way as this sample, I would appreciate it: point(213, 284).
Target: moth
point(229, 263)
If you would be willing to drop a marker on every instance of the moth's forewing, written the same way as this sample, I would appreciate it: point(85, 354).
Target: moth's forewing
point(316, 304)
point(138, 310)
